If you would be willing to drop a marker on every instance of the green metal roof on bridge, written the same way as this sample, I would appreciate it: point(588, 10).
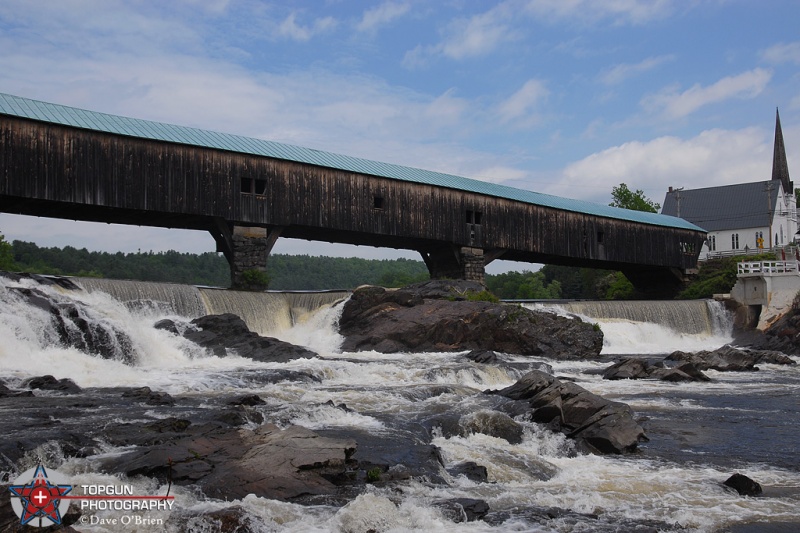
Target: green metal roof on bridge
point(132, 127)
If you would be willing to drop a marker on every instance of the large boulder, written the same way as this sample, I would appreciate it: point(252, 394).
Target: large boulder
point(450, 316)
point(598, 425)
point(220, 333)
point(634, 368)
point(731, 359)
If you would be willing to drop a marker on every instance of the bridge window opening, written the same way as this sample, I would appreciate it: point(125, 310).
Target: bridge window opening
point(600, 237)
point(247, 185)
point(377, 202)
point(261, 187)
point(474, 217)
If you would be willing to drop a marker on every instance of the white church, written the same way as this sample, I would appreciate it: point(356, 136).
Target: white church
point(745, 218)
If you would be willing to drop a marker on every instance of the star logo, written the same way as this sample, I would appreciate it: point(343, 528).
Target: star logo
point(39, 498)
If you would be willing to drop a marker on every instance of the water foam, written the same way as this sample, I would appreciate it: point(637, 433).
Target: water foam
point(652, 327)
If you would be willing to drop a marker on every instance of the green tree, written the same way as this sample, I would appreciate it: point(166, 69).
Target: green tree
point(523, 286)
point(6, 255)
point(623, 197)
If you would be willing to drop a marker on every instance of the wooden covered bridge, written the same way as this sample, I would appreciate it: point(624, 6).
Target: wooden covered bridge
point(63, 162)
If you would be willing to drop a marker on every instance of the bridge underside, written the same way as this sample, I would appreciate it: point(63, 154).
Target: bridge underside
point(248, 247)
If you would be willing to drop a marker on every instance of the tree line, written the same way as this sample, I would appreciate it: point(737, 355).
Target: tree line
point(291, 272)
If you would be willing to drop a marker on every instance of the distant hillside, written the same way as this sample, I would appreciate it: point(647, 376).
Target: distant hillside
point(287, 272)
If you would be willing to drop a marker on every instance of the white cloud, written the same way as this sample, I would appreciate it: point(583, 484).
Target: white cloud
point(475, 36)
point(783, 53)
point(674, 104)
point(592, 11)
point(714, 157)
point(523, 102)
point(291, 29)
point(619, 73)
point(382, 15)
point(478, 35)
point(483, 33)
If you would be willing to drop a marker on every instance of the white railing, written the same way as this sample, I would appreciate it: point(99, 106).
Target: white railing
point(788, 250)
point(768, 267)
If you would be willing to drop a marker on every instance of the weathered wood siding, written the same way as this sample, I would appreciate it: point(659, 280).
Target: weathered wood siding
point(57, 171)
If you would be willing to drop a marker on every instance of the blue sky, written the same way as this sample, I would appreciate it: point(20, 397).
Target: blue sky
point(566, 97)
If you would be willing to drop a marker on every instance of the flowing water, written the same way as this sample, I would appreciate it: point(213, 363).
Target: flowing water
point(700, 433)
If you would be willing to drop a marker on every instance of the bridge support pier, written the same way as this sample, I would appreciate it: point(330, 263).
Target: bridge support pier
point(246, 248)
point(455, 262)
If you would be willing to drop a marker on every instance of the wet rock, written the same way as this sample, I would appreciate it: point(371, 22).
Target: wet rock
point(743, 485)
point(144, 394)
point(781, 336)
point(471, 470)
point(401, 451)
point(436, 316)
point(483, 356)
point(229, 463)
point(598, 425)
point(145, 434)
point(5, 392)
point(731, 359)
point(48, 382)
point(220, 333)
point(463, 509)
point(78, 327)
point(248, 400)
point(41, 279)
point(634, 368)
point(169, 325)
point(228, 520)
point(494, 424)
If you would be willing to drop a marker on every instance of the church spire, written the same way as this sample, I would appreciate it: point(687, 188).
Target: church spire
point(780, 166)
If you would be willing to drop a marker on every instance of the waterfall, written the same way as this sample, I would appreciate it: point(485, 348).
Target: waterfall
point(653, 327)
point(685, 316)
point(264, 312)
point(172, 298)
point(267, 312)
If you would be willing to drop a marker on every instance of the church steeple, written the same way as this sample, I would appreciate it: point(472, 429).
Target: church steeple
point(780, 166)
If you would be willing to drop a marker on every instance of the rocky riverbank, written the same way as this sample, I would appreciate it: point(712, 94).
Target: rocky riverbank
point(225, 445)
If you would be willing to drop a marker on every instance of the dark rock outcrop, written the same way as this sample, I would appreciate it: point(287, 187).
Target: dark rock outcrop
point(220, 333)
point(232, 463)
point(50, 383)
point(494, 424)
point(633, 368)
point(471, 470)
point(78, 327)
point(150, 397)
point(743, 485)
point(5, 392)
point(598, 425)
point(731, 359)
point(783, 335)
point(437, 316)
point(463, 509)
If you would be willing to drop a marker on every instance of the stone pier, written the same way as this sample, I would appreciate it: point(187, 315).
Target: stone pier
point(456, 262)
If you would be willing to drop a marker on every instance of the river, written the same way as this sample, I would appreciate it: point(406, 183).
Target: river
point(700, 433)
